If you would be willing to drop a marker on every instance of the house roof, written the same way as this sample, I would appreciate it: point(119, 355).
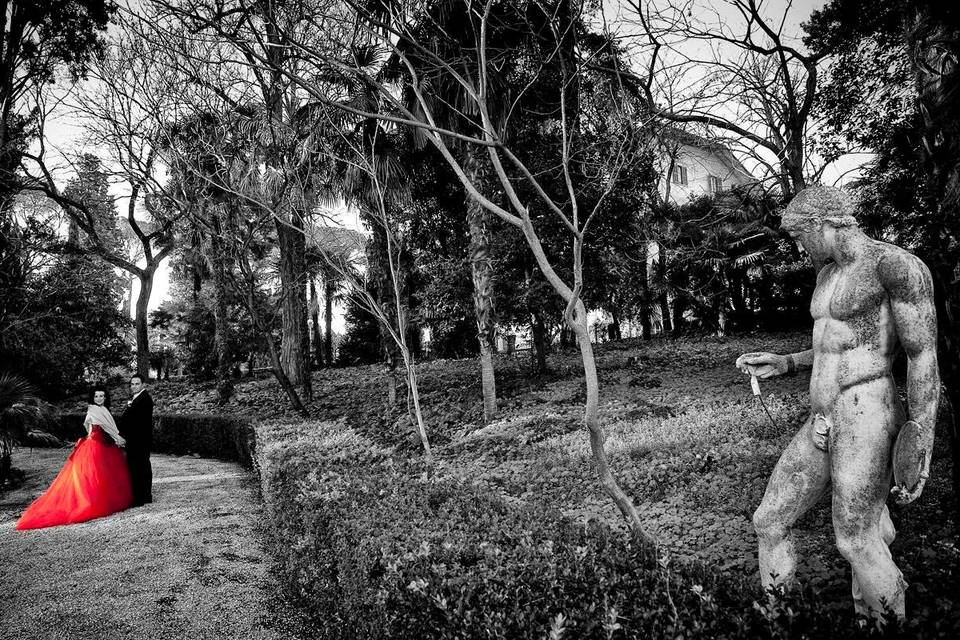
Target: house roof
point(673, 133)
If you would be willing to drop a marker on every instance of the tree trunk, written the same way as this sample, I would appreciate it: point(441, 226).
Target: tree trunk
point(680, 301)
point(793, 162)
point(140, 321)
point(221, 323)
point(742, 318)
point(645, 328)
point(613, 331)
point(379, 267)
point(285, 383)
point(660, 278)
point(329, 290)
point(276, 361)
point(315, 335)
point(679, 308)
point(482, 271)
point(591, 420)
point(538, 330)
point(411, 370)
point(295, 336)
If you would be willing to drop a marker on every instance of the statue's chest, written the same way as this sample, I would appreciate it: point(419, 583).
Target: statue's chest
point(847, 293)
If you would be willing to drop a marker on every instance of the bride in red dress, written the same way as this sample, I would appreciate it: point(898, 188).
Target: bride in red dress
point(94, 481)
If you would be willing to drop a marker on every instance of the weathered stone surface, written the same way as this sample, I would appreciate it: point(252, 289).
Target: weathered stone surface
point(871, 298)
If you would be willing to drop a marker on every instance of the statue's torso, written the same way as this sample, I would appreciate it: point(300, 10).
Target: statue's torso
point(854, 334)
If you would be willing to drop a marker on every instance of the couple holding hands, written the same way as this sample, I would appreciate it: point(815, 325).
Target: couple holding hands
point(108, 470)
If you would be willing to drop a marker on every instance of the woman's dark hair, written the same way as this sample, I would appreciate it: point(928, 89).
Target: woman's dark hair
point(99, 387)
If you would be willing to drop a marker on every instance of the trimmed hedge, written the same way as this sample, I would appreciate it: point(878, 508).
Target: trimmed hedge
point(224, 438)
point(374, 549)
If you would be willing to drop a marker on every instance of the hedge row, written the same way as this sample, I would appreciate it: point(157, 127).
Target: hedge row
point(209, 436)
point(374, 549)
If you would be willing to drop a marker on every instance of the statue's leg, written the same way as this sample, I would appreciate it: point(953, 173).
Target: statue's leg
point(864, 427)
point(796, 484)
point(888, 534)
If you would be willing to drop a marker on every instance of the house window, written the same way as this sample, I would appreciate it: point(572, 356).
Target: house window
point(714, 184)
point(679, 174)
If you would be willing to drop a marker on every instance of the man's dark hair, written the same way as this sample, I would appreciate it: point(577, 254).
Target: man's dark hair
point(136, 375)
point(99, 387)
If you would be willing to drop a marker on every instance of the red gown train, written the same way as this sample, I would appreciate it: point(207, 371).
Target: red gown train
point(93, 483)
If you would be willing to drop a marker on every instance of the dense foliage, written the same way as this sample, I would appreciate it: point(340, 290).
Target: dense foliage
point(63, 322)
point(375, 550)
point(38, 39)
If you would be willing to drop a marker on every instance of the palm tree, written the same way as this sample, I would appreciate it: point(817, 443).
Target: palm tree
point(219, 175)
point(337, 244)
point(449, 32)
point(17, 408)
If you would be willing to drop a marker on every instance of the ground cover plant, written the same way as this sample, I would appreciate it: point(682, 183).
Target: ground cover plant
point(686, 438)
point(375, 549)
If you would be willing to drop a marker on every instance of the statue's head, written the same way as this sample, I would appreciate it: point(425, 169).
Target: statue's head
point(814, 206)
point(814, 218)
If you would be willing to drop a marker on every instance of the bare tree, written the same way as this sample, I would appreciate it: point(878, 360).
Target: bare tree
point(215, 75)
point(117, 121)
point(396, 35)
point(377, 196)
point(238, 241)
point(736, 74)
point(36, 40)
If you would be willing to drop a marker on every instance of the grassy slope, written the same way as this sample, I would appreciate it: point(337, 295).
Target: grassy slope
point(685, 437)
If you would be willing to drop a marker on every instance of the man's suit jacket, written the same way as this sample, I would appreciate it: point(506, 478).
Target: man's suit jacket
point(136, 423)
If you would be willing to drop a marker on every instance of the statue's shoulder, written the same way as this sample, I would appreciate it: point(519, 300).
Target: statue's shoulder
point(900, 269)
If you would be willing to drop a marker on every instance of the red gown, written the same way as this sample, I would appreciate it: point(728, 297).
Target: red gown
point(93, 483)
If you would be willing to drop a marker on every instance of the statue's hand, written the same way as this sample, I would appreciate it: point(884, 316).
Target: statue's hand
point(911, 463)
point(762, 364)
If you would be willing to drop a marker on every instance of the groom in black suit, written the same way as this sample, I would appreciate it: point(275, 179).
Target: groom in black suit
point(136, 426)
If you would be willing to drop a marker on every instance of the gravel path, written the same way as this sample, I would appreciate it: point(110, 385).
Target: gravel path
point(190, 565)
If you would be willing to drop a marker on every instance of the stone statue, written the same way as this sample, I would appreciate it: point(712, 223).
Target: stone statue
point(870, 298)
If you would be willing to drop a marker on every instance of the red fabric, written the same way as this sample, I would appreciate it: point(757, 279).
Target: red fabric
point(93, 483)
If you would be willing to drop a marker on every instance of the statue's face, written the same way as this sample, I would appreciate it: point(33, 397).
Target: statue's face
point(813, 239)
point(99, 397)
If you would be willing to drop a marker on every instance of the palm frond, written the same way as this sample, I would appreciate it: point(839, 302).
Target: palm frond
point(14, 391)
point(749, 259)
point(38, 438)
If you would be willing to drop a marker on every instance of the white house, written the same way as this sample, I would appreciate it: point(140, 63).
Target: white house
point(691, 166)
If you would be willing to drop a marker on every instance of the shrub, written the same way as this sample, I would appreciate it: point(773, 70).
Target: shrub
point(225, 438)
point(375, 549)
point(206, 435)
point(361, 341)
point(66, 426)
